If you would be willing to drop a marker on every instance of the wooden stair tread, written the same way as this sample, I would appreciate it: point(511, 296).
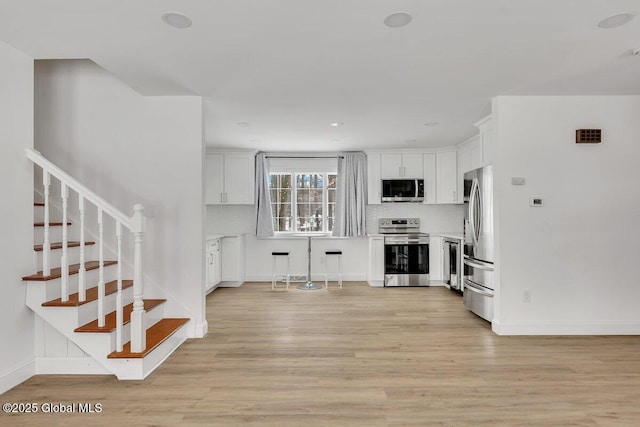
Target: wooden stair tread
point(51, 224)
point(156, 335)
point(58, 245)
point(110, 319)
point(38, 204)
point(92, 295)
point(56, 273)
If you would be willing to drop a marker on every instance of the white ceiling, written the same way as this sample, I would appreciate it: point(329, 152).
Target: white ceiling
point(291, 67)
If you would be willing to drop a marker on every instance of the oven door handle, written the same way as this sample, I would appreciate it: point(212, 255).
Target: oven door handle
point(476, 289)
point(477, 265)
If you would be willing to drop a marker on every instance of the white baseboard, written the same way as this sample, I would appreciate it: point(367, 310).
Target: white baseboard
point(69, 365)
point(565, 329)
point(201, 329)
point(11, 377)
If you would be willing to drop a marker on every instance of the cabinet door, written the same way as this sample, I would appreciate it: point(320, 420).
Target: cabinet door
point(209, 267)
point(429, 176)
point(374, 181)
point(446, 177)
point(435, 258)
point(239, 178)
point(217, 265)
point(376, 260)
point(463, 166)
point(391, 165)
point(214, 179)
point(412, 164)
point(230, 259)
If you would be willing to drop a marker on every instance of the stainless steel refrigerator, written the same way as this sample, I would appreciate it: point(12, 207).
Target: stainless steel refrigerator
point(478, 288)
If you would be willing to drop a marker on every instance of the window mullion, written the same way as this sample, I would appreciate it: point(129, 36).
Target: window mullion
point(294, 202)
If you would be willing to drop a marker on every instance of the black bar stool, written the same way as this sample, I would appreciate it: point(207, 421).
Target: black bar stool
point(327, 255)
point(274, 264)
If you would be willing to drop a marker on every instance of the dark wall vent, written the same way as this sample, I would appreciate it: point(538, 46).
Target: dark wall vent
point(588, 136)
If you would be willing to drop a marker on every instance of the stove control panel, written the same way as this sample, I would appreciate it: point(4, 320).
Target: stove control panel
point(398, 225)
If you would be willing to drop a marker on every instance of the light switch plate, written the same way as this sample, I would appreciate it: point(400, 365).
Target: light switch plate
point(517, 180)
point(536, 202)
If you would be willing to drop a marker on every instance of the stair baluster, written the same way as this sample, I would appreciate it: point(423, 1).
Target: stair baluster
point(101, 313)
point(82, 287)
point(46, 246)
point(138, 324)
point(64, 260)
point(119, 314)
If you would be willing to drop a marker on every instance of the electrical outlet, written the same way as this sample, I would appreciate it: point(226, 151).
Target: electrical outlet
point(526, 296)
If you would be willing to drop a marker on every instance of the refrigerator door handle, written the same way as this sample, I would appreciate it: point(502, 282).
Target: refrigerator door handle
point(472, 212)
point(474, 288)
point(470, 263)
point(479, 218)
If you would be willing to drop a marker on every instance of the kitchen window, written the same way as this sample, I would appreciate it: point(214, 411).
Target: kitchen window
point(303, 201)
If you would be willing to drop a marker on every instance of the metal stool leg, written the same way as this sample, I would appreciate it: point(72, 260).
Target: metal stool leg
point(273, 272)
point(340, 270)
point(288, 272)
point(326, 276)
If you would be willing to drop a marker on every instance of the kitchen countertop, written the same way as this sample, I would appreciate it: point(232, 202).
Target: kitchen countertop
point(450, 234)
point(220, 236)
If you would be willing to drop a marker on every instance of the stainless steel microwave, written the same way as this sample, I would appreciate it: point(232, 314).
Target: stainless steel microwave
point(402, 190)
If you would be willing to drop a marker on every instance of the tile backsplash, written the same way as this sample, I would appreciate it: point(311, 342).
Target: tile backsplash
point(241, 218)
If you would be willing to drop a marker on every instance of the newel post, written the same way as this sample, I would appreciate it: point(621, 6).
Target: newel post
point(138, 323)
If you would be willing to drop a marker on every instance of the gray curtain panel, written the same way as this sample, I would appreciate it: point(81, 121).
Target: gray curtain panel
point(264, 217)
point(351, 196)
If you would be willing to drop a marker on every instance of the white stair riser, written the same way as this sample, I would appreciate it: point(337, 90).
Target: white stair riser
point(55, 234)
point(89, 311)
point(138, 369)
point(52, 288)
point(36, 295)
point(54, 215)
point(72, 253)
point(152, 317)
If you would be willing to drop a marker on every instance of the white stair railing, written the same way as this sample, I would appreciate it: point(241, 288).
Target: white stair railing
point(135, 224)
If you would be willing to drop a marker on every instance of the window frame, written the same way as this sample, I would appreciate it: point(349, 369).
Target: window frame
point(294, 202)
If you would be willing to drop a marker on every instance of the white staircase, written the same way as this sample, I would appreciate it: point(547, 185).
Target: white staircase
point(83, 295)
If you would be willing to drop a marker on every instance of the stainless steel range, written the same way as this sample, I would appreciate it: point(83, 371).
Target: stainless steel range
point(406, 252)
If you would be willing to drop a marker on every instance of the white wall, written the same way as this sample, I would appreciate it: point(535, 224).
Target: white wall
point(577, 255)
point(16, 215)
point(132, 149)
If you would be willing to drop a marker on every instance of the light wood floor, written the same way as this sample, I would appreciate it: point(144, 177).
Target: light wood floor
point(359, 356)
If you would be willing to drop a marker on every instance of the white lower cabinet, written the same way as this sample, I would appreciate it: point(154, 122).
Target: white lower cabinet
point(213, 264)
point(232, 259)
point(435, 258)
point(375, 272)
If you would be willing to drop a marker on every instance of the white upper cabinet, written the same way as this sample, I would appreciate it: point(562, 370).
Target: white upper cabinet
point(485, 126)
point(374, 179)
point(429, 176)
point(214, 179)
point(401, 165)
point(230, 178)
point(446, 177)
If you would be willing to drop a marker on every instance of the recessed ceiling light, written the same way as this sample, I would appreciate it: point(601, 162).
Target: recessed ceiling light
point(431, 124)
point(336, 124)
point(336, 140)
point(411, 141)
point(243, 124)
point(616, 20)
point(397, 19)
point(177, 20)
